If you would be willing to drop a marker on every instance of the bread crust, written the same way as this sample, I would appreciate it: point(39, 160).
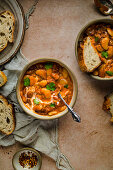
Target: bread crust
point(81, 59)
point(13, 114)
point(4, 47)
point(13, 25)
point(13, 28)
point(4, 78)
point(107, 104)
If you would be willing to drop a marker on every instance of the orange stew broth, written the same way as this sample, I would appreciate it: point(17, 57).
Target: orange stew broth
point(101, 36)
point(40, 87)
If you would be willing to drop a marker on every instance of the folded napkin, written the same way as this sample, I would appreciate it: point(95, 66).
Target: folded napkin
point(39, 134)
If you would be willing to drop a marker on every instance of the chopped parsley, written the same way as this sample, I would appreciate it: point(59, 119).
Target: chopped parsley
point(66, 86)
point(110, 73)
point(26, 81)
point(52, 105)
point(51, 86)
point(48, 66)
point(104, 54)
point(96, 39)
point(36, 101)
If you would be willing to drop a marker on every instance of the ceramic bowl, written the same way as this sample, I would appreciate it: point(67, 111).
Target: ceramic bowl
point(15, 160)
point(80, 38)
point(30, 112)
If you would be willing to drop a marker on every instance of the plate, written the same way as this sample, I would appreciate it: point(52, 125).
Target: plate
point(12, 48)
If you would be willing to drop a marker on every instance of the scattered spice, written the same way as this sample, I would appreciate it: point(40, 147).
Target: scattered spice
point(28, 160)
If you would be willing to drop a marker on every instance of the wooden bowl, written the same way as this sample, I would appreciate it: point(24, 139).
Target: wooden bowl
point(80, 38)
point(30, 112)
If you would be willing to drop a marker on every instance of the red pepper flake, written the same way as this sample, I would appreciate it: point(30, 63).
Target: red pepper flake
point(28, 160)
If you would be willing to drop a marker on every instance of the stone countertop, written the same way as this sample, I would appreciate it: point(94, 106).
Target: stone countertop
point(53, 29)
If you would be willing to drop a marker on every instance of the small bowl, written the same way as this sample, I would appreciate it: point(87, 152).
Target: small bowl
point(80, 38)
point(30, 112)
point(15, 160)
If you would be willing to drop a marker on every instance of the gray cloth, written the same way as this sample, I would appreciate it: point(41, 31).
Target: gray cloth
point(41, 135)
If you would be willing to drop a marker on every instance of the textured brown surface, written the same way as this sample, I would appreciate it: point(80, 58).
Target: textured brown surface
point(52, 33)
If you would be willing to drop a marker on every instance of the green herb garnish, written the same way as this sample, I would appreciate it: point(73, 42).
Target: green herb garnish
point(66, 86)
point(96, 39)
point(48, 66)
point(51, 86)
point(36, 101)
point(48, 87)
point(26, 81)
point(52, 105)
point(110, 73)
point(104, 54)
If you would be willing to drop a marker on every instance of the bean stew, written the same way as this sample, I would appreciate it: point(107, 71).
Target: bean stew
point(101, 36)
point(40, 87)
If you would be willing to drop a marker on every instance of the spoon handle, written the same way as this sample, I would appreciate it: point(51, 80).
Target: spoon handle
point(75, 116)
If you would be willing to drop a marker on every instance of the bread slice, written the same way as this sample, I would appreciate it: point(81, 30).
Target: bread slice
point(3, 41)
point(108, 104)
point(90, 59)
point(7, 118)
point(3, 78)
point(7, 25)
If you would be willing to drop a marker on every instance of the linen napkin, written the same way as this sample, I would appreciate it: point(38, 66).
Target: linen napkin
point(39, 134)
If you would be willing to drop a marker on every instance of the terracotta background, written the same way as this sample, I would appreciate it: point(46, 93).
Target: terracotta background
point(53, 29)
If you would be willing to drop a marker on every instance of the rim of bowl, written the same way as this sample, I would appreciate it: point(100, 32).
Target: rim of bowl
point(107, 20)
point(30, 112)
point(31, 149)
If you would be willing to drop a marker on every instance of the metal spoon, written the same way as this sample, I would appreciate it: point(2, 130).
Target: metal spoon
point(105, 6)
point(75, 116)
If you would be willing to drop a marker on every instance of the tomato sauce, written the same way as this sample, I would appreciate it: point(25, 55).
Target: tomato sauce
point(40, 87)
point(101, 36)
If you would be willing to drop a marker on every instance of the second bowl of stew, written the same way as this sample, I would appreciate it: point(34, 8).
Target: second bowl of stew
point(101, 33)
point(38, 87)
